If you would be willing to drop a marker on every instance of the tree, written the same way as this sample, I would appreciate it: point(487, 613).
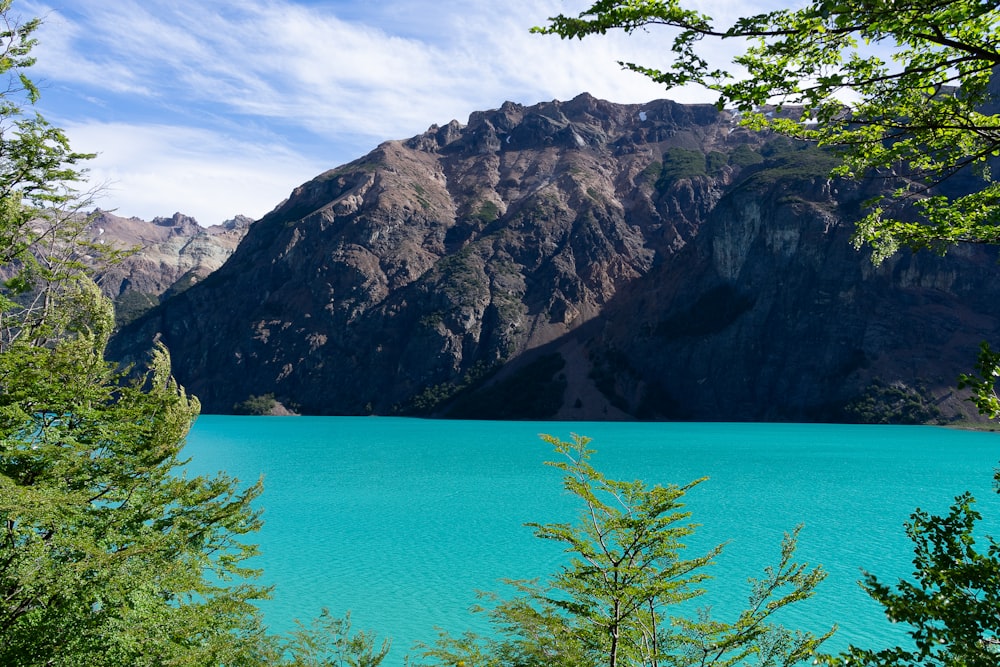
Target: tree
point(256, 405)
point(928, 121)
point(983, 381)
point(328, 641)
point(42, 247)
point(953, 602)
point(109, 553)
point(923, 119)
point(610, 605)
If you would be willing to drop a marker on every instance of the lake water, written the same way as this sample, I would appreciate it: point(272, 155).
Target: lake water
point(401, 521)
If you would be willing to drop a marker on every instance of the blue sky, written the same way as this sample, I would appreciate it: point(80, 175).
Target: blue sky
point(221, 107)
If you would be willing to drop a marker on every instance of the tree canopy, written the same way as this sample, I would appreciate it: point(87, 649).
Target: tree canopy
point(109, 553)
point(904, 88)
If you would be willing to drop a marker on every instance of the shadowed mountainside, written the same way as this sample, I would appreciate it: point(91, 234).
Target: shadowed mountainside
point(579, 260)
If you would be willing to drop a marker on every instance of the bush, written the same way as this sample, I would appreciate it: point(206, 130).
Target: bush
point(256, 405)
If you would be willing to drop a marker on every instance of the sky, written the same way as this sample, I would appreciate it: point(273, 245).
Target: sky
point(214, 108)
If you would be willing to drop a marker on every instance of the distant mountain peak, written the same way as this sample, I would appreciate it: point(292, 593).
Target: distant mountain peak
point(172, 254)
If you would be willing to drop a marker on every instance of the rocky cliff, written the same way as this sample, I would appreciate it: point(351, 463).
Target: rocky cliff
point(579, 260)
point(171, 254)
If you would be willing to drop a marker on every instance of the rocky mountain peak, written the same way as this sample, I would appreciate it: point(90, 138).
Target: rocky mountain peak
point(578, 259)
point(239, 222)
point(179, 223)
point(170, 254)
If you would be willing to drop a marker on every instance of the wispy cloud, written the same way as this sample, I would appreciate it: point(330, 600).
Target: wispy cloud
point(202, 92)
point(151, 170)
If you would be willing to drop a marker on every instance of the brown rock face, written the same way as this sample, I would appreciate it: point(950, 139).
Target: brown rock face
point(171, 255)
point(577, 260)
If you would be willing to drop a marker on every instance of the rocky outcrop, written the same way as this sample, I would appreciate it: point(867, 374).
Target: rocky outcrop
point(579, 260)
point(772, 315)
point(170, 255)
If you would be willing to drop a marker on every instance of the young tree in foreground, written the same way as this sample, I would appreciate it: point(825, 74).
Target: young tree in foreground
point(612, 604)
point(920, 117)
point(329, 642)
point(108, 556)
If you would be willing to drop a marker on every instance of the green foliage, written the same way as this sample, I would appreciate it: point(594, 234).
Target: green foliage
point(182, 284)
point(790, 161)
point(328, 642)
point(109, 553)
point(421, 196)
point(651, 174)
point(894, 403)
point(952, 603)
point(256, 405)
point(460, 277)
point(110, 557)
point(918, 120)
point(714, 161)
point(983, 382)
point(924, 115)
point(679, 163)
point(433, 397)
point(744, 156)
point(130, 305)
point(487, 213)
point(611, 604)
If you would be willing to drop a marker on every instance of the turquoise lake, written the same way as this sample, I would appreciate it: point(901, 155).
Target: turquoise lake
point(401, 521)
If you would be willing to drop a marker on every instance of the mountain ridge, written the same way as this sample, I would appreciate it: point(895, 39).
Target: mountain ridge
point(553, 259)
point(165, 255)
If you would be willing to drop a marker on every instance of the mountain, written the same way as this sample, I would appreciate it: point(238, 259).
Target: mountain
point(580, 260)
point(171, 255)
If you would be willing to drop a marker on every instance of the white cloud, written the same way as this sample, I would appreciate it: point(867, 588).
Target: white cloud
point(187, 99)
point(306, 65)
point(150, 170)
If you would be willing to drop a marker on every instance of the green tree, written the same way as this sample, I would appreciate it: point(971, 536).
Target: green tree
point(256, 405)
point(952, 605)
point(328, 641)
point(42, 247)
point(953, 602)
point(923, 118)
point(982, 381)
point(611, 604)
point(109, 553)
point(917, 117)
